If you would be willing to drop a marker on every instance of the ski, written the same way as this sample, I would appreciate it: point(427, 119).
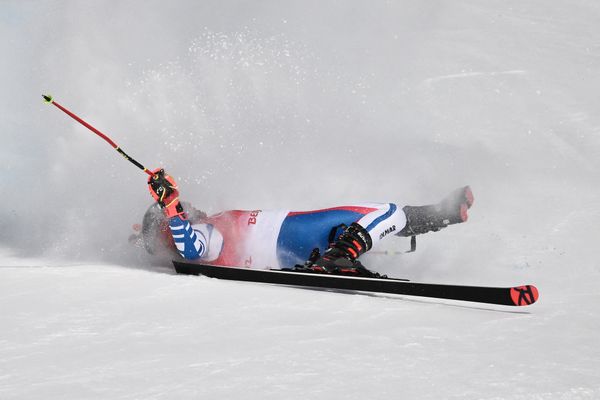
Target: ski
point(508, 296)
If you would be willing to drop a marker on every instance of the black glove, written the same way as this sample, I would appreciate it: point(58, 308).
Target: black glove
point(164, 190)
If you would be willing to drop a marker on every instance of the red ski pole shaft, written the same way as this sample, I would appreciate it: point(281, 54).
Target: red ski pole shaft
point(50, 100)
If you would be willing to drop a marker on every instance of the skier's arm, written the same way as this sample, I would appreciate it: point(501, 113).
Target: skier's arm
point(164, 190)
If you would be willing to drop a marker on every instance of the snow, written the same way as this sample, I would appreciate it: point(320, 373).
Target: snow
point(300, 105)
point(102, 331)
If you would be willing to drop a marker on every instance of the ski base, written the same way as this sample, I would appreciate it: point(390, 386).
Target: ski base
point(509, 296)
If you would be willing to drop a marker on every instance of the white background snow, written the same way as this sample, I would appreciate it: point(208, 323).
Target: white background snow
point(299, 105)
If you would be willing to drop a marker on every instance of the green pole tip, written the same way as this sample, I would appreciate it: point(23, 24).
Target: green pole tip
point(47, 98)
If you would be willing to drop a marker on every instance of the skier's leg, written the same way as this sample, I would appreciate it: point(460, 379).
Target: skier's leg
point(342, 255)
point(303, 231)
point(386, 220)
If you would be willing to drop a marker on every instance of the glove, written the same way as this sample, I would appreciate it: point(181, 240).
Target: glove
point(164, 190)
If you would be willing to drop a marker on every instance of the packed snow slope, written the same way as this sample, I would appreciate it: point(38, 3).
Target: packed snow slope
point(300, 105)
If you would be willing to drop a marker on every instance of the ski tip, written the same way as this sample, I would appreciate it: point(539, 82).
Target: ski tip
point(464, 213)
point(48, 98)
point(524, 295)
point(470, 199)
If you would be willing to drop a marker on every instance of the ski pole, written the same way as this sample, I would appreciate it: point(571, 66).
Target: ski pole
point(48, 99)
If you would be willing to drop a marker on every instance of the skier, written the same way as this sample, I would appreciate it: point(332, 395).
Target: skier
point(326, 241)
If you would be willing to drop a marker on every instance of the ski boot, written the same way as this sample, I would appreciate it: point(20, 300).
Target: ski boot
point(431, 218)
point(341, 258)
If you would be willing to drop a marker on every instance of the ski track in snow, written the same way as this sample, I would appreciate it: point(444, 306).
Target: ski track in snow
point(462, 75)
